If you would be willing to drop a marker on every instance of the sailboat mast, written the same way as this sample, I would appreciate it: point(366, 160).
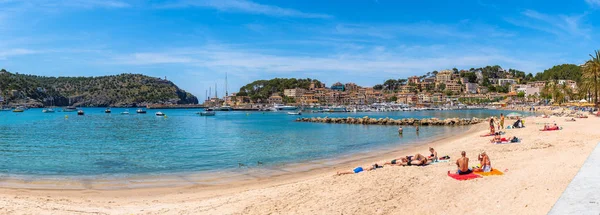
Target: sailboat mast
point(216, 95)
point(226, 92)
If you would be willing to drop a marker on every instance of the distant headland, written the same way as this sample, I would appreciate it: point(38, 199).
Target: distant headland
point(124, 90)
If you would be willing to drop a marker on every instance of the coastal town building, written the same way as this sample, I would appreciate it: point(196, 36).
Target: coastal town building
point(351, 87)
point(454, 87)
point(275, 99)
point(528, 90)
point(295, 93)
point(471, 88)
point(414, 80)
point(338, 87)
point(505, 81)
point(444, 76)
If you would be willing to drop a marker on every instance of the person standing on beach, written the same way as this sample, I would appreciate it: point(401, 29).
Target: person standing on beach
point(492, 125)
point(463, 164)
point(501, 126)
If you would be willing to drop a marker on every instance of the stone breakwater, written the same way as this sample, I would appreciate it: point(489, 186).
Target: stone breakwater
point(388, 121)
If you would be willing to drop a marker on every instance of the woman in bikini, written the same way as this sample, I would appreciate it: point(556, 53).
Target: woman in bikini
point(434, 156)
point(485, 163)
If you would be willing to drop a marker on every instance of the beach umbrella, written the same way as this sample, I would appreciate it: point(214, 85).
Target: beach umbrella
point(582, 101)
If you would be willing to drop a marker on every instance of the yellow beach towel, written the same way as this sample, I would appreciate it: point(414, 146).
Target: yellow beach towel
point(493, 172)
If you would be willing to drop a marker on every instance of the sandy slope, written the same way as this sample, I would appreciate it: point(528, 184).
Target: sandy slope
point(539, 169)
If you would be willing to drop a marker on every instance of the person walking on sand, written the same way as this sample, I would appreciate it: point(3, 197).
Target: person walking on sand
point(463, 164)
point(492, 125)
point(501, 126)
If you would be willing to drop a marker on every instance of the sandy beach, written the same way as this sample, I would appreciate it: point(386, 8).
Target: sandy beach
point(537, 171)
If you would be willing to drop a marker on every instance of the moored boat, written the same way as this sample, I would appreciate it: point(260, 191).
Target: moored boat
point(107, 110)
point(18, 110)
point(48, 110)
point(294, 113)
point(80, 113)
point(278, 107)
point(69, 109)
point(207, 113)
point(223, 108)
point(160, 114)
point(140, 111)
point(126, 112)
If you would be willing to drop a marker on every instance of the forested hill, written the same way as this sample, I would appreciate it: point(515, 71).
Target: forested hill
point(125, 90)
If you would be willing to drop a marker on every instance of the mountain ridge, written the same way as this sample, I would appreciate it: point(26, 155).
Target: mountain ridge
point(123, 90)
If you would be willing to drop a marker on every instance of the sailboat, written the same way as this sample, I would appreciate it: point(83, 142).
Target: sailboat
point(224, 107)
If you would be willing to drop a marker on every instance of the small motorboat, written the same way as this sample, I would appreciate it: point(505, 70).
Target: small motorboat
point(107, 110)
point(18, 110)
point(294, 113)
point(80, 113)
point(126, 112)
point(69, 109)
point(140, 111)
point(207, 113)
point(48, 110)
point(160, 114)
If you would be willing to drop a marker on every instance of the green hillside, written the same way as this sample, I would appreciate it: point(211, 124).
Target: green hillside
point(116, 90)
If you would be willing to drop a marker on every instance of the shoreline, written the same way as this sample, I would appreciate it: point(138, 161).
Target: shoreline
point(218, 178)
point(536, 172)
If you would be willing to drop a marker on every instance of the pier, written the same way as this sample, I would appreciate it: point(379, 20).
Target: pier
point(388, 121)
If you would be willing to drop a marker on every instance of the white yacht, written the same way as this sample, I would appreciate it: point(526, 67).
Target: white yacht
point(279, 107)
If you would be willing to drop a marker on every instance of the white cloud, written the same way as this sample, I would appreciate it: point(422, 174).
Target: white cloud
point(375, 62)
point(7, 53)
point(593, 3)
point(245, 7)
point(461, 30)
point(57, 5)
point(560, 25)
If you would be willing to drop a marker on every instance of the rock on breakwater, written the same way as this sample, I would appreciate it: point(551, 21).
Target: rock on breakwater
point(388, 121)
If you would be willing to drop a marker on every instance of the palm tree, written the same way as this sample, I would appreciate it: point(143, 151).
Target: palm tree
point(591, 73)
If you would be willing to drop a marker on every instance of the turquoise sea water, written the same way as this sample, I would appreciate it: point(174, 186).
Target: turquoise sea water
point(98, 144)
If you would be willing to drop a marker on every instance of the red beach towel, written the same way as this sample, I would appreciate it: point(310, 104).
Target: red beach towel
point(463, 177)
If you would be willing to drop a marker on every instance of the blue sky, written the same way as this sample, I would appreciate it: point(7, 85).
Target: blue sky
point(195, 42)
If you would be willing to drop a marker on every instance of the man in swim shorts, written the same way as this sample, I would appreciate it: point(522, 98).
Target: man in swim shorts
point(398, 161)
point(360, 169)
point(463, 164)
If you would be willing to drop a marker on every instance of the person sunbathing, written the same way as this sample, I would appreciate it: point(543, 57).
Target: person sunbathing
point(398, 162)
point(434, 156)
point(463, 164)
point(571, 120)
point(418, 160)
point(360, 169)
point(497, 138)
point(485, 163)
